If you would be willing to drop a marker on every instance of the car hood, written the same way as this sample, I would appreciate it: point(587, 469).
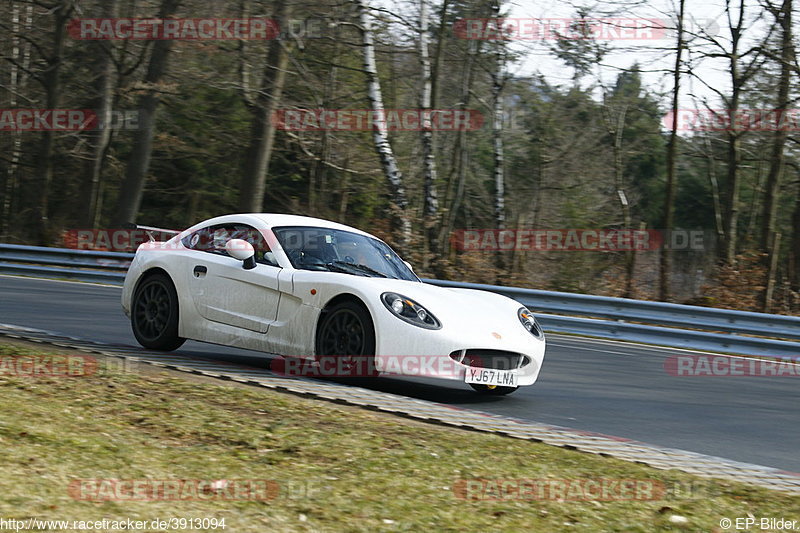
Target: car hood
point(464, 308)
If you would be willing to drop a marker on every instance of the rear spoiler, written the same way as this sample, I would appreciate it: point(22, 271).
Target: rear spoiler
point(152, 231)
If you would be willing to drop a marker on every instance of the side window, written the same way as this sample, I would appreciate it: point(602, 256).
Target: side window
point(213, 239)
point(199, 240)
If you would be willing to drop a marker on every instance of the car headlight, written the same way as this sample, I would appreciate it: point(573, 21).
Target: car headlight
point(529, 322)
point(410, 311)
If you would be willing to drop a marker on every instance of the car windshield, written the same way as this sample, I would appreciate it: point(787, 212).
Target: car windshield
point(326, 249)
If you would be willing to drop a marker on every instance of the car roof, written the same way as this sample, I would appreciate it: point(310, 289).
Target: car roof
point(273, 220)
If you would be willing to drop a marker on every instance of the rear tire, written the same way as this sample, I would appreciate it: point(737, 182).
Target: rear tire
point(154, 314)
point(492, 390)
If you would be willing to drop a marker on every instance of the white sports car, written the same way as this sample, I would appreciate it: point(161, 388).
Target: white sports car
point(327, 297)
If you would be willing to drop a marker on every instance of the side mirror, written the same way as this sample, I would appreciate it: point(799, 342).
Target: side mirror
point(243, 251)
point(409, 266)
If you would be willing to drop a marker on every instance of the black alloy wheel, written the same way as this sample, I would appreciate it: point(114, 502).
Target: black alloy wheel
point(154, 314)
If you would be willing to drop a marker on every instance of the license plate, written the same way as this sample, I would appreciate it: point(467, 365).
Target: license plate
point(489, 376)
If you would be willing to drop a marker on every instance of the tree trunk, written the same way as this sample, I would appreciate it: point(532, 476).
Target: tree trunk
point(99, 139)
point(714, 184)
point(39, 194)
point(615, 124)
point(380, 136)
point(665, 289)
point(458, 174)
point(734, 160)
point(436, 68)
point(498, 157)
point(317, 182)
point(755, 205)
point(130, 193)
point(794, 249)
point(431, 202)
point(772, 269)
point(262, 129)
point(20, 55)
point(771, 198)
point(344, 197)
point(734, 141)
point(435, 246)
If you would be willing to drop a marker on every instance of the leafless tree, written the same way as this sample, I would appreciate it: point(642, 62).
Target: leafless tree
point(665, 290)
point(262, 128)
point(130, 194)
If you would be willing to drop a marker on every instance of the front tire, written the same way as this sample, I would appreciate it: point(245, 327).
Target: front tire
point(154, 314)
point(492, 390)
point(346, 339)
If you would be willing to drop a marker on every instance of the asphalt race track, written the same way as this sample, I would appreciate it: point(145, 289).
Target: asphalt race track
point(607, 387)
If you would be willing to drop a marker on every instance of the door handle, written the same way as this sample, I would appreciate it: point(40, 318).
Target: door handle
point(200, 271)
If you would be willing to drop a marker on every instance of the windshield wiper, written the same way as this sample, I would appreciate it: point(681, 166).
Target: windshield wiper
point(356, 266)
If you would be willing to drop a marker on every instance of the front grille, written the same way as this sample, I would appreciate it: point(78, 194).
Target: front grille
point(496, 359)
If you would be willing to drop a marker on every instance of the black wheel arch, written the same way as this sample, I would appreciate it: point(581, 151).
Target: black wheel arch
point(150, 272)
point(155, 271)
point(336, 300)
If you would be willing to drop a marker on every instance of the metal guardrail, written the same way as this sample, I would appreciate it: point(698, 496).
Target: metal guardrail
point(64, 263)
point(660, 313)
point(676, 325)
